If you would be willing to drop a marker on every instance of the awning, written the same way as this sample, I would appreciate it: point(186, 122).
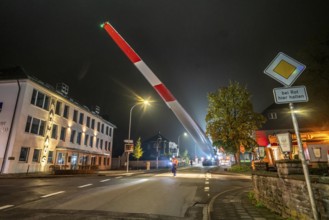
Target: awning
point(81, 151)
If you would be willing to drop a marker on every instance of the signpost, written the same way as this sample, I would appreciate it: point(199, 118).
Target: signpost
point(290, 95)
point(286, 70)
point(129, 147)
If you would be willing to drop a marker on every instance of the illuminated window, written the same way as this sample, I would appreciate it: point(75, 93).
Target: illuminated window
point(36, 155)
point(60, 158)
point(24, 154)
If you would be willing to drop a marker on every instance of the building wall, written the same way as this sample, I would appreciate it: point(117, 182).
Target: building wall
point(22, 137)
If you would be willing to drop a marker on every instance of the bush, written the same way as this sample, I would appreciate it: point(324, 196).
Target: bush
point(240, 168)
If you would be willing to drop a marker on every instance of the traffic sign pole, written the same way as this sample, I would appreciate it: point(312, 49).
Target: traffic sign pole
point(304, 164)
point(286, 70)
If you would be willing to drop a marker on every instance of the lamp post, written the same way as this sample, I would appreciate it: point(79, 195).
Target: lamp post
point(145, 102)
point(158, 143)
point(178, 145)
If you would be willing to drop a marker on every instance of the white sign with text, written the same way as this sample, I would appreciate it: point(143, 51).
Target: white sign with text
point(290, 95)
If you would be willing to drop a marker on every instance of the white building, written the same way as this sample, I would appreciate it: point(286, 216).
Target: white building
point(42, 129)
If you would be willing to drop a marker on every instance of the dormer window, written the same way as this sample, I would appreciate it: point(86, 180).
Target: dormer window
point(272, 115)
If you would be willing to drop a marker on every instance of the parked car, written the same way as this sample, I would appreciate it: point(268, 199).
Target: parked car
point(208, 162)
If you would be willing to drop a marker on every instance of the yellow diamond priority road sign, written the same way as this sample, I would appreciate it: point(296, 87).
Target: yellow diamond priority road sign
point(284, 69)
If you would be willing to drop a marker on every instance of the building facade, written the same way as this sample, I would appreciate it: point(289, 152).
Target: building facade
point(42, 129)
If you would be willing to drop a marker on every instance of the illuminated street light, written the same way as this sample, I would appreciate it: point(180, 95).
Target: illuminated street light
point(178, 145)
point(145, 103)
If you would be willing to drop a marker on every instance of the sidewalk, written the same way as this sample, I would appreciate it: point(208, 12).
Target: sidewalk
point(235, 204)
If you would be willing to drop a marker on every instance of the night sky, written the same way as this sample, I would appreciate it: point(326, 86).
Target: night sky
point(193, 46)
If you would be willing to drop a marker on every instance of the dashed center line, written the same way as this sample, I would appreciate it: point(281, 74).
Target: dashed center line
point(102, 181)
point(85, 185)
point(52, 194)
point(6, 207)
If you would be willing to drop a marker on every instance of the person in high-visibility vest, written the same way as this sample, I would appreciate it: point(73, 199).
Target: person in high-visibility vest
point(174, 162)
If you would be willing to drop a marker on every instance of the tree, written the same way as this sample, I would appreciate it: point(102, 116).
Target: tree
point(138, 151)
point(230, 119)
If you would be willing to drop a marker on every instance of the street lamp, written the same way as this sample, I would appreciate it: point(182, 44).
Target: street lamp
point(178, 146)
point(145, 103)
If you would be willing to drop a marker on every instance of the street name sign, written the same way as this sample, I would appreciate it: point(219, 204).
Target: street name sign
point(290, 95)
point(284, 69)
point(127, 141)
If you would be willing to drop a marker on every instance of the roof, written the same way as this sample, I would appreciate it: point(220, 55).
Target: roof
point(309, 117)
point(16, 73)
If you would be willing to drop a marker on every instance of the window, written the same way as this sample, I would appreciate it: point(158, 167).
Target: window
point(24, 154)
point(101, 144)
point(272, 115)
point(86, 139)
point(98, 126)
point(107, 130)
point(72, 136)
point(79, 138)
point(97, 142)
point(105, 145)
point(63, 134)
point(102, 130)
point(35, 126)
point(91, 142)
point(54, 132)
point(28, 124)
point(109, 146)
point(60, 158)
point(99, 161)
point(81, 118)
point(93, 123)
point(75, 116)
point(88, 122)
point(39, 99)
point(104, 162)
point(110, 134)
point(66, 111)
point(36, 155)
point(58, 108)
point(50, 157)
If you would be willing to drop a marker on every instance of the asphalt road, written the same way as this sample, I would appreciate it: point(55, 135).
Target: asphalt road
point(119, 196)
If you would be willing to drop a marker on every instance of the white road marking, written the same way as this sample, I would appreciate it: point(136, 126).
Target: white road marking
point(6, 206)
point(85, 185)
point(118, 177)
point(102, 181)
point(52, 194)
